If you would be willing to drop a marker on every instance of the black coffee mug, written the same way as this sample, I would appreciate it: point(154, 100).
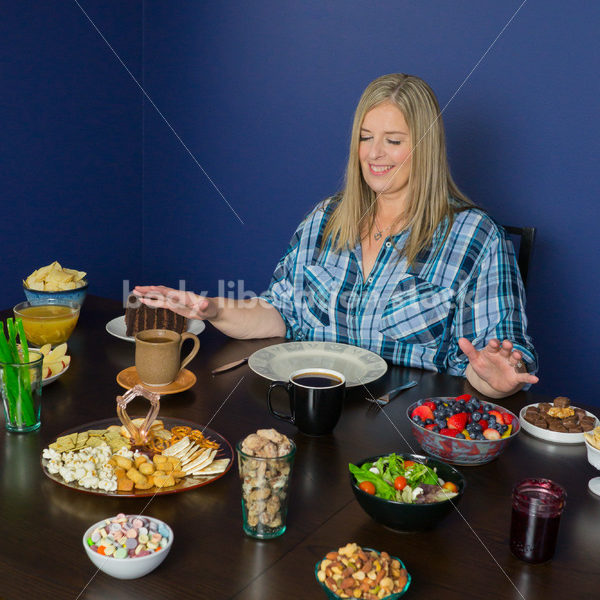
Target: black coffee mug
point(316, 400)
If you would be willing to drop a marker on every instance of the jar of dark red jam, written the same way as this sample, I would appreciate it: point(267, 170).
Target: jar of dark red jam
point(536, 508)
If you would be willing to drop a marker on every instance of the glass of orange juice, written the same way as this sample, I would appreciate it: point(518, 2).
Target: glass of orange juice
point(50, 323)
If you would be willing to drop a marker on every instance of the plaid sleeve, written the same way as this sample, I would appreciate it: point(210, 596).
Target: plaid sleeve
point(491, 304)
point(281, 288)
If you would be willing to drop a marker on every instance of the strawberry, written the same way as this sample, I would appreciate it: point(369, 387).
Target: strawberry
point(423, 412)
point(457, 421)
point(430, 404)
point(491, 434)
point(449, 432)
point(465, 397)
point(430, 426)
point(484, 424)
point(508, 419)
point(498, 415)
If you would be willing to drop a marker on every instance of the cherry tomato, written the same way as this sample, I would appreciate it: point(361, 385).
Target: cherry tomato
point(451, 487)
point(409, 463)
point(367, 486)
point(400, 482)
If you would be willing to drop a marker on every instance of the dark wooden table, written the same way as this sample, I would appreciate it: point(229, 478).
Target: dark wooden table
point(42, 522)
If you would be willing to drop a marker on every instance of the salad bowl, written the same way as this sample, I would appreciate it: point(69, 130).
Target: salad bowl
point(404, 516)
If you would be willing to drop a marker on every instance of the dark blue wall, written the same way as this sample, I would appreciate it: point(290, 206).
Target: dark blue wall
point(70, 147)
point(262, 95)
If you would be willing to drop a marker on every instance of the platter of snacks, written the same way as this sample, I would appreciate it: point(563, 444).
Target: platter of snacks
point(99, 458)
point(118, 329)
point(558, 422)
point(355, 572)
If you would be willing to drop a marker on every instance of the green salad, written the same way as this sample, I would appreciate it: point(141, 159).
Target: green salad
point(392, 477)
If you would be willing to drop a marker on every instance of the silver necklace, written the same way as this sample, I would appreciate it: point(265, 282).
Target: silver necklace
point(379, 233)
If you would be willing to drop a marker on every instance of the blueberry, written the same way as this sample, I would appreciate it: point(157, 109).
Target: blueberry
point(475, 402)
point(435, 428)
point(476, 416)
point(457, 409)
point(440, 422)
point(460, 435)
point(417, 419)
point(420, 402)
point(469, 408)
point(486, 416)
point(477, 427)
point(492, 420)
point(438, 403)
point(488, 407)
point(428, 422)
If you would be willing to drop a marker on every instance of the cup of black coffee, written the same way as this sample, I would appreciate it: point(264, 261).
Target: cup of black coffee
point(316, 399)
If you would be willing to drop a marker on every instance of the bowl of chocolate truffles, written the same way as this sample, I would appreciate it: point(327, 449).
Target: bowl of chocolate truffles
point(557, 421)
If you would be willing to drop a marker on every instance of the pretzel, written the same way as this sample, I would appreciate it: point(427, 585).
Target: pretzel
point(181, 430)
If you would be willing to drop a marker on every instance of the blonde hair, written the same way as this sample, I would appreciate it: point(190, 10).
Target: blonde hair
point(430, 184)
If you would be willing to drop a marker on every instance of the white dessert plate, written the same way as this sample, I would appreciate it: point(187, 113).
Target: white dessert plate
point(54, 377)
point(278, 362)
point(118, 328)
point(552, 436)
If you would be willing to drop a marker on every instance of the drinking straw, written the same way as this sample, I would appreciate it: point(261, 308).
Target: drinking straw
point(8, 374)
point(12, 340)
point(18, 390)
point(22, 339)
point(25, 376)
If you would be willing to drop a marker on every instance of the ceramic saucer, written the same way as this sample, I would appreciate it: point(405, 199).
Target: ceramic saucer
point(185, 380)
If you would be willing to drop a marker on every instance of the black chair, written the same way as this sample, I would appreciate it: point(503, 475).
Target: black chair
point(526, 237)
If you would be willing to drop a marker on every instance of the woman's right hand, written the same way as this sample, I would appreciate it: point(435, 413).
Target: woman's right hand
point(186, 304)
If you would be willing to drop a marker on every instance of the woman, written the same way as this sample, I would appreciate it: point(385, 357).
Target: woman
point(400, 262)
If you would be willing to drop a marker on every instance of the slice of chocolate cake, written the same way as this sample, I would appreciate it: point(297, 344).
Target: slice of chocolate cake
point(139, 317)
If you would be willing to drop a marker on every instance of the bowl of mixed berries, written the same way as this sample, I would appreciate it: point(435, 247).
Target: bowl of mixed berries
point(462, 430)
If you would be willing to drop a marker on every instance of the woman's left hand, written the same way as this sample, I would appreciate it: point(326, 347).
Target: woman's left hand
point(498, 366)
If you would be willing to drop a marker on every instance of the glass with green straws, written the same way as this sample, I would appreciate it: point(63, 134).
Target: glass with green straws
point(20, 379)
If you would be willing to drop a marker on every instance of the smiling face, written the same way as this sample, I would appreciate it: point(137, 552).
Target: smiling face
point(384, 152)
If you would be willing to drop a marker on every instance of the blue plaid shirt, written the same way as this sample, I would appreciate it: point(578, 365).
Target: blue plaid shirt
point(411, 316)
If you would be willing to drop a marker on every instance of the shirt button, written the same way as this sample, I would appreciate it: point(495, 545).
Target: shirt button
point(388, 244)
point(370, 280)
